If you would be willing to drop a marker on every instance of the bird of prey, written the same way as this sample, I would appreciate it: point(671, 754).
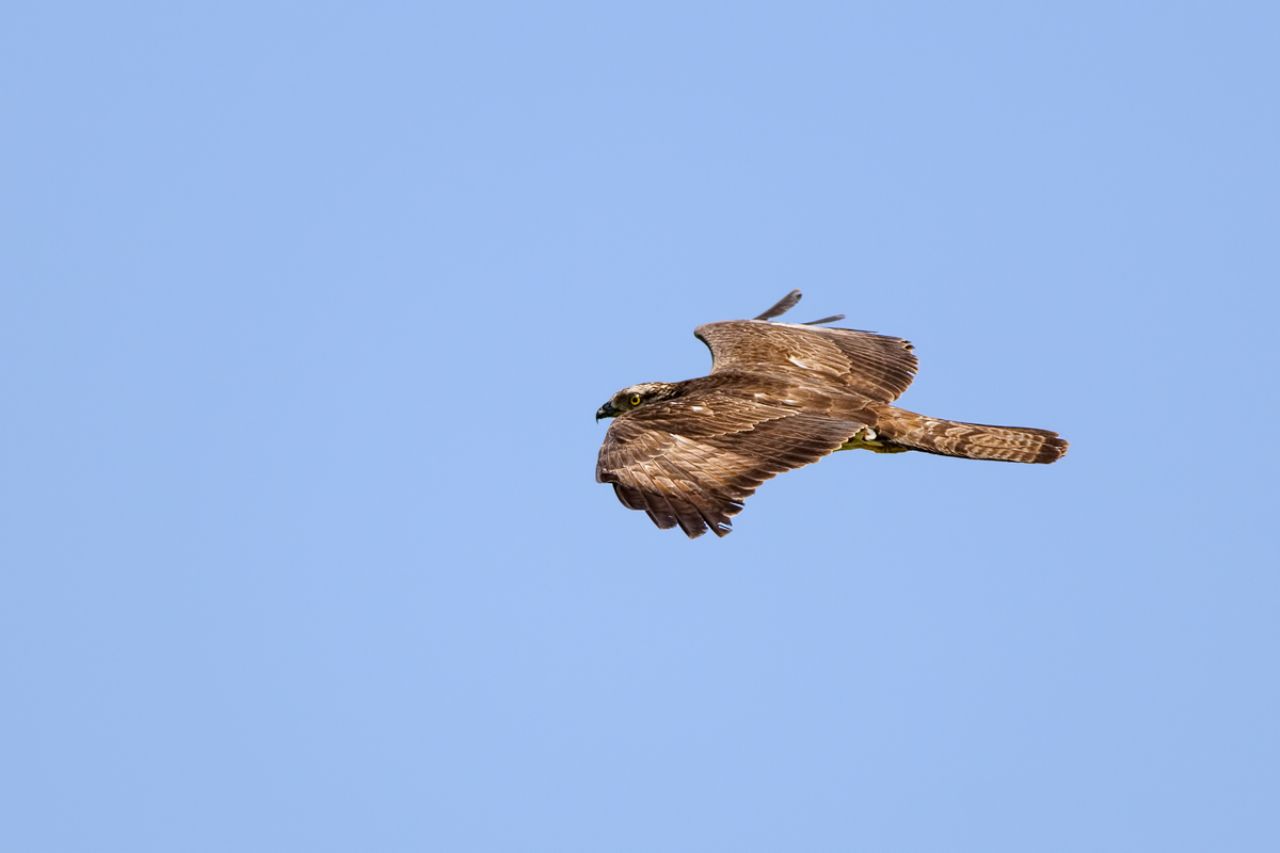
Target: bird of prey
point(779, 396)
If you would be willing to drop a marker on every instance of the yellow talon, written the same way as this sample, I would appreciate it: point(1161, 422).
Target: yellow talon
point(861, 441)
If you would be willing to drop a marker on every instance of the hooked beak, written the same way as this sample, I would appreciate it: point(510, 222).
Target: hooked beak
point(606, 411)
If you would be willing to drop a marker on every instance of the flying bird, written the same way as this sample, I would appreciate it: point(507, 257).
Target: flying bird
point(779, 396)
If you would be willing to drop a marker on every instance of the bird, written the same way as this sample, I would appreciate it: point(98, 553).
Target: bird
point(779, 396)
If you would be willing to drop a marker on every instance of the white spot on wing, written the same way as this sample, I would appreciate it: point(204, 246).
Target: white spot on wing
point(801, 363)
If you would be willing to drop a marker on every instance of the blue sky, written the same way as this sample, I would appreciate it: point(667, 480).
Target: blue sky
point(305, 310)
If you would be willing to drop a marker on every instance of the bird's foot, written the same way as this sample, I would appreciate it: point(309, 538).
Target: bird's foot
point(867, 439)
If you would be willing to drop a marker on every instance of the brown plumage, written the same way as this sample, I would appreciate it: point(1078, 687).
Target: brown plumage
point(779, 396)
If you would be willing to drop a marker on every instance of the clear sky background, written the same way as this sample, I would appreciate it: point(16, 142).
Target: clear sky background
point(305, 310)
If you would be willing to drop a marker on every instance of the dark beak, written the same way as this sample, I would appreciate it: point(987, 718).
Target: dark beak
point(606, 411)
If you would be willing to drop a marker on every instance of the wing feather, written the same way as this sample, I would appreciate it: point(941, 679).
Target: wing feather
point(696, 471)
point(877, 366)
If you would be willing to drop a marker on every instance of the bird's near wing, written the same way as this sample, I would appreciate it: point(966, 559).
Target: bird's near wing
point(692, 461)
point(875, 366)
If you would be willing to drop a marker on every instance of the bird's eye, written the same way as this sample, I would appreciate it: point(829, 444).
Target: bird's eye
point(635, 399)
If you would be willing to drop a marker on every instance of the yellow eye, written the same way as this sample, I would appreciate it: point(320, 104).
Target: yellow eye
point(635, 399)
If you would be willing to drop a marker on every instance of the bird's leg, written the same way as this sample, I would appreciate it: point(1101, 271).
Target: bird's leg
point(867, 439)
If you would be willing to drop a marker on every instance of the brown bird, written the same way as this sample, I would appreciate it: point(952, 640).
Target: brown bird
point(779, 396)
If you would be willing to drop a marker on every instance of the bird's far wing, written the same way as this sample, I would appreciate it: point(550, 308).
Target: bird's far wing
point(877, 366)
point(692, 461)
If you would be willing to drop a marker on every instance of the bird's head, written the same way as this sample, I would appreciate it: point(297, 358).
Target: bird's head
point(634, 396)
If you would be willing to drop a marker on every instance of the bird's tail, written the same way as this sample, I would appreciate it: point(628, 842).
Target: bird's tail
point(969, 441)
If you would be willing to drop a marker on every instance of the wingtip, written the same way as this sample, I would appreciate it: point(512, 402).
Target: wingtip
point(783, 305)
point(834, 318)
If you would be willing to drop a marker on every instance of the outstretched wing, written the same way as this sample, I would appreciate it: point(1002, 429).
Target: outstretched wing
point(692, 461)
point(875, 366)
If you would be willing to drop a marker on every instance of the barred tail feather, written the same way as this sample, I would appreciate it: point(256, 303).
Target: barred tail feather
point(970, 441)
